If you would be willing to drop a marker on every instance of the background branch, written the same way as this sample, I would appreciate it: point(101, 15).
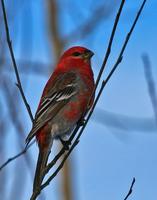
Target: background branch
point(130, 190)
point(150, 83)
point(16, 156)
point(15, 120)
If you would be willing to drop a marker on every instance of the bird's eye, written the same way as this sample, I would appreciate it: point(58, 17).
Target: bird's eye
point(76, 54)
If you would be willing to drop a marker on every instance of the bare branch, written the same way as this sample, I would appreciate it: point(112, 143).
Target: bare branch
point(19, 85)
point(120, 57)
point(130, 190)
point(17, 155)
point(16, 122)
point(4, 174)
point(110, 43)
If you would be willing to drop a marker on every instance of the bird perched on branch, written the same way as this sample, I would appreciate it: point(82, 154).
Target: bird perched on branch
point(65, 99)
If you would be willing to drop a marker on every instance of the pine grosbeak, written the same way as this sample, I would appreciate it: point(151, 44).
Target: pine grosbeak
point(64, 101)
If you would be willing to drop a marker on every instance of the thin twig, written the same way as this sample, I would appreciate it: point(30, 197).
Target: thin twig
point(19, 85)
point(15, 120)
point(130, 190)
point(108, 51)
point(17, 155)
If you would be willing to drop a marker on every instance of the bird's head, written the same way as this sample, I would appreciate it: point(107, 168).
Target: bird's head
point(78, 53)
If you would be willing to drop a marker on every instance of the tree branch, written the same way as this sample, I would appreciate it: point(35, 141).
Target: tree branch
point(108, 51)
point(18, 84)
point(15, 120)
point(130, 190)
point(17, 155)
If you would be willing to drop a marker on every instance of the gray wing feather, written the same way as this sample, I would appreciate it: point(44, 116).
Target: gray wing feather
point(56, 99)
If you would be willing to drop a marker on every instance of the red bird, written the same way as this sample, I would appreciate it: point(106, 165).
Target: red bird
point(64, 101)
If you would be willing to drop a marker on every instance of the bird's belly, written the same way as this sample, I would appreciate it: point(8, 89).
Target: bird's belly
point(61, 128)
point(65, 120)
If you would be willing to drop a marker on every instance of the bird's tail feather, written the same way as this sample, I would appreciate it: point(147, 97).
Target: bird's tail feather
point(40, 167)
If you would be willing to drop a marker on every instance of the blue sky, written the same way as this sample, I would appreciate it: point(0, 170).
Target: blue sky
point(106, 159)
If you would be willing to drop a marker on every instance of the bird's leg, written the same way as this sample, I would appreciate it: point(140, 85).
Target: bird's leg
point(65, 143)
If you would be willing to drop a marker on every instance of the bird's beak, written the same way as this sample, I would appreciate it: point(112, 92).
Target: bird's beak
point(88, 54)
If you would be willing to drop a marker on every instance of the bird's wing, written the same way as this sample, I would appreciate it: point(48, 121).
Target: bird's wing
point(58, 96)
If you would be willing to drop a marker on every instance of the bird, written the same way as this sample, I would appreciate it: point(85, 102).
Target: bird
point(67, 96)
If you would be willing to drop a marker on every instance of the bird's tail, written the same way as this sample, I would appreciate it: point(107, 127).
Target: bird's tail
point(40, 167)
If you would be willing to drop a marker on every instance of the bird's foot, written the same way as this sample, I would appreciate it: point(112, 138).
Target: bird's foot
point(65, 143)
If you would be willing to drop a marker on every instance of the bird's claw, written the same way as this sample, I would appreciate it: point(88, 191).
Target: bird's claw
point(65, 143)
